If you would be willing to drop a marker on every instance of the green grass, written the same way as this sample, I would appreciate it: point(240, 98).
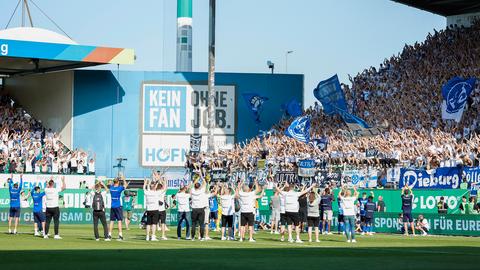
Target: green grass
point(77, 250)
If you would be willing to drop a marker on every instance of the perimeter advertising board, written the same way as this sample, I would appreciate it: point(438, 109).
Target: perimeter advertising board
point(171, 113)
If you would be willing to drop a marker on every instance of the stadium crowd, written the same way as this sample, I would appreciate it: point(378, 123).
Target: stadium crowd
point(403, 98)
point(26, 146)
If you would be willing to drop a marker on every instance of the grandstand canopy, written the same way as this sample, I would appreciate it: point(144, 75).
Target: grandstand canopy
point(444, 7)
point(28, 50)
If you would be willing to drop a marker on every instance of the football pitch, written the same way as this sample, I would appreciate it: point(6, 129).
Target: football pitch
point(78, 250)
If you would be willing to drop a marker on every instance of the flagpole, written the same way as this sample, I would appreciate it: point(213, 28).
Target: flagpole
point(211, 79)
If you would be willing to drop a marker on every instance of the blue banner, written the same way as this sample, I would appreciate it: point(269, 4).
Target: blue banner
point(331, 95)
point(455, 94)
point(299, 129)
point(472, 174)
point(292, 108)
point(255, 104)
point(443, 178)
point(306, 163)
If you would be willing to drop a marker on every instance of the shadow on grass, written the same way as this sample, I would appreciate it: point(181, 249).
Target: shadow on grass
point(246, 258)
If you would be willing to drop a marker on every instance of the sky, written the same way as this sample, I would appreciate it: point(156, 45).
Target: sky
point(327, 37)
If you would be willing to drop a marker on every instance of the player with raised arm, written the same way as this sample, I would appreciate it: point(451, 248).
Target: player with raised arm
point(183, 205)
point(14, 189)
point(98, 208)
point(228, 209)
point(291, 209)
point(247, 196)
point(347, 202)
point(53, 209)
point(198, 208)
point(152, 197)
point(38, 215)
point(162, 214)
point(407, 203)
point(116, 210)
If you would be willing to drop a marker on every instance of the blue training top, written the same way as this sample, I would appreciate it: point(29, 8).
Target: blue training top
point(37, 201)
point(115, 194)
point(213, 204)
point(15, 193)
point(362, 201)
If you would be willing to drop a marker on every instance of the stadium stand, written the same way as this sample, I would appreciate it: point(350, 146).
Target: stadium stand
point(26, 146)
point(403, 96)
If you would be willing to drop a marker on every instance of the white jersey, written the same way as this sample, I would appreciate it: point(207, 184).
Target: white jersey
point(348, 205)
point(247, 202)
point(204, 197)
point(51, 195)
point(228, 205)
point(197, 198)
point(282, 203)
point(151, 199)
point(291, 201)
point(161, 200)
point(183, 202)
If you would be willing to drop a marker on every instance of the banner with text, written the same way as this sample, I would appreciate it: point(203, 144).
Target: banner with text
point(444, 178)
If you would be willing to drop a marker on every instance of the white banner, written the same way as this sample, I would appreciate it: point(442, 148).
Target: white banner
point(170, 150)
point(32, 180)
point(182, 109)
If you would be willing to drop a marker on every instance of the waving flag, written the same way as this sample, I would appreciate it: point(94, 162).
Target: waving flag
point(331, 95)
point(455, 94)
point(292, 108)
point(255, 104)
point(320, 143)
point(299, 129)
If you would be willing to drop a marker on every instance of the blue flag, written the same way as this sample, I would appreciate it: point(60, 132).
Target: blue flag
point(299, 129)
point(320, 143)
point(292, 108)
point(331, 95)
point(455, 94)
point(255, 104)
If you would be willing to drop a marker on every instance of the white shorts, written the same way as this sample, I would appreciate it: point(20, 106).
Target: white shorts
point(328, 215)
point(275, 216)
point(207, 215)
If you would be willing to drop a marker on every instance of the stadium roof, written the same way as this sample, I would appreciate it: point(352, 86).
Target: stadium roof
point(28, 50)
point(444, 7)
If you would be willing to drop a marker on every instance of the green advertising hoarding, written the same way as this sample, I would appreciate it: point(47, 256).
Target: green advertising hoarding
point(425, 201)
point(461, 225)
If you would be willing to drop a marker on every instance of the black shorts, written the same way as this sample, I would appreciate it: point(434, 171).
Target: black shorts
point(152, 217)
point(313, 221)
point(162, 217)
point(116, 214)
point(292, 218)
point(214, 215)
point(283, 219)
point(407, 217)
point(227, 221)
point(368, 220)
point(14, 212)
point(303, 215)
point(340, 218)
point(247, 219)
point(38, 217)
point(362, 219)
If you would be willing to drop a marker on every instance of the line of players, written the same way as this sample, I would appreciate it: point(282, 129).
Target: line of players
point(193, 204)
point(46, 207)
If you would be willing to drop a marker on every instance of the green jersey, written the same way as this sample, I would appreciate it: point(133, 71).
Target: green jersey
point(127, 203)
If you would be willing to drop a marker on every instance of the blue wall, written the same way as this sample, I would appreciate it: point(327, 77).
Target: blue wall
point(107, 109)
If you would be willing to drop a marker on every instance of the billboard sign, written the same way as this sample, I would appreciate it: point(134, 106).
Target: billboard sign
point(173, 112)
